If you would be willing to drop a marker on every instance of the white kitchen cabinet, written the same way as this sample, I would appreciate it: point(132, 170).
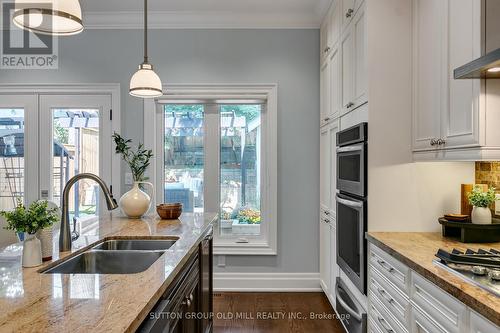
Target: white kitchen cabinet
point(335, 84)
point(330, 31)
point(325, 255)
point(328, 161)
point(325, 94)
point(401, 300)
point(450, 117)
point(353, 64)
point(478, 324)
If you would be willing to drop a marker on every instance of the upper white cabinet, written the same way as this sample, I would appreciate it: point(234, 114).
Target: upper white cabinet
point(348, 10)
point(353, 65)
point(450, 116)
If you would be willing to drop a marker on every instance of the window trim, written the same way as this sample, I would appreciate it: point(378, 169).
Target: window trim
point(266, 244)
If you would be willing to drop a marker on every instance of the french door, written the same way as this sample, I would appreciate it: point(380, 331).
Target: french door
point(75, 137)
point(45, 139)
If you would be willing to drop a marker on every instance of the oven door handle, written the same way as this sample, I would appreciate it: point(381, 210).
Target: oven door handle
point(354, 204)
point(353, 313)
point(350, 148)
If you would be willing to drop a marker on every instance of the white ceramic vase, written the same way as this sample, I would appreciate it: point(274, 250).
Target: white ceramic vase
point(32, 251)
point(481, 215)
point(45, 236)
point(135, 203)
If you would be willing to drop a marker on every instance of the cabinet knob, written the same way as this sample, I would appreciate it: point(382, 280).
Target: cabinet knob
point(433, 142)
point(441, 141)
point(349, 105)
point(349, 12)
point(327, 49)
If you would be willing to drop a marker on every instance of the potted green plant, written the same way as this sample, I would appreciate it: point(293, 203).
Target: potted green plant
point(28, 221)
point(135, 203)
point(481, 213)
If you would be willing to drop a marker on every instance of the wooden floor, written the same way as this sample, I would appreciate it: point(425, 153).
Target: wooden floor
point(273, 312)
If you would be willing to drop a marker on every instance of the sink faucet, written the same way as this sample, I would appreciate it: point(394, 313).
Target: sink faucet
point(65, 232)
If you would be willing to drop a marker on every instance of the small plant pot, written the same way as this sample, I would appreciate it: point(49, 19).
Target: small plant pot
point(32, 251)
point(45, 236)
point(481, 215)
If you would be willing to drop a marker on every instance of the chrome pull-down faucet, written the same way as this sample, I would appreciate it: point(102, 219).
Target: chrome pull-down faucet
point(65, 231)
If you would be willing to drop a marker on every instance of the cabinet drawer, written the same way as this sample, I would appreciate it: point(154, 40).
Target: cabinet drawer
point(445, 310)
point(421, 323)
point(390, 268)
point(478, 324)
point(385, 322)
point(383, 290)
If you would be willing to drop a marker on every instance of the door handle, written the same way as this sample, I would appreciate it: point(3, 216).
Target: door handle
point(344, 304)
point(349, 203)
point(350, 148)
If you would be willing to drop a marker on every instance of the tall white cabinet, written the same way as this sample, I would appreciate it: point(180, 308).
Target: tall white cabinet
point(343, 104)
point(451, 118)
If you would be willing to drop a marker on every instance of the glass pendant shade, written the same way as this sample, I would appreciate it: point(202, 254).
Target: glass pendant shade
point(145, 82)
point(49, 17)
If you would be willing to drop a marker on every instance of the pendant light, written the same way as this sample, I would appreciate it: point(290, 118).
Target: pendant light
point(145, 82)
point(49, 17)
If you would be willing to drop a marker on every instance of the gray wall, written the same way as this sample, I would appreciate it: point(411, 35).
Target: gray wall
point(287, 57)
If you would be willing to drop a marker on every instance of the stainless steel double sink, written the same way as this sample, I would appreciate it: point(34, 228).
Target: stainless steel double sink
point(115, 256)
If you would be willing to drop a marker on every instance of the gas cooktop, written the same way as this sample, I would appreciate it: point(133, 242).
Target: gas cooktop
point(481, 267)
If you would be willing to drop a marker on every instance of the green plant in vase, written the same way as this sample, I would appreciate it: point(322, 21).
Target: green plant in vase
point(36, 217)
point(135, 203)
point(480, 201)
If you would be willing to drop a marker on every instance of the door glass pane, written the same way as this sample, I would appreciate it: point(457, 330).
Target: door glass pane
point(240, 169)
point(184, 155)
point(75, 134)
point(11, 157)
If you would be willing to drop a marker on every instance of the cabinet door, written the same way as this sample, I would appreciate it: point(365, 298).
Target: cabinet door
point(324, 169)
point(325, 254)
point(206, 282)
point(346, 70)
point(479, 324)
point(429, 80)
point(360, 69)
point(460, 126)
point(335, 84)
point(332, 165)
point(324, 38)
point(325, 95)
point(334, 269)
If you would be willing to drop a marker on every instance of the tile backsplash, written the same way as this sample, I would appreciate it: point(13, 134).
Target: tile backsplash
point(488, 173)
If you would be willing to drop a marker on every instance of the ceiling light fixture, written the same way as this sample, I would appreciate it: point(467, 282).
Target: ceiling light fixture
point(49, 17)
point(494, 70)
point(145, 83)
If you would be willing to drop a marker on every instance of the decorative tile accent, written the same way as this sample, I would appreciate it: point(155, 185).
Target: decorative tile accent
point(488, 173)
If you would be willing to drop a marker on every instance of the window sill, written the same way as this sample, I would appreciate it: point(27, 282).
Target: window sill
point(244, 249)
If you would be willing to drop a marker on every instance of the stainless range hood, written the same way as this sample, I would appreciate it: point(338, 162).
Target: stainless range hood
point(486, 67)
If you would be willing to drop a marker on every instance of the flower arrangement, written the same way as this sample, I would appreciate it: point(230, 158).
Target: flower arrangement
point(29, 220)
point(249, 215)
point(138, 161)
point(478, 198)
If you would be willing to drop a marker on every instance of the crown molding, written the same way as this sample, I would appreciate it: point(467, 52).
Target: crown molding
point(202, 20)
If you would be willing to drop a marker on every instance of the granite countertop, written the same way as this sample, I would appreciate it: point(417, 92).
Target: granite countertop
point(417, 250)
point(35, 302)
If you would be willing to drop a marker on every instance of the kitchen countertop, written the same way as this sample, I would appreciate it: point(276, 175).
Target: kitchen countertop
point(417, 250)
point(35, 302)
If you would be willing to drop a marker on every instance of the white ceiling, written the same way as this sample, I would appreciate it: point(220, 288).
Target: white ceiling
point(205, 13)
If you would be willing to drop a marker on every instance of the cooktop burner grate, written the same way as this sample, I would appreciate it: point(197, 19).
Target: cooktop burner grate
point(487, 258)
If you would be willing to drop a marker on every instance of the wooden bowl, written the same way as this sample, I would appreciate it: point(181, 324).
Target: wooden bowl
point(169, 211)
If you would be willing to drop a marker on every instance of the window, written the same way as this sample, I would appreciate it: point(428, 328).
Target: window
point(218, 154)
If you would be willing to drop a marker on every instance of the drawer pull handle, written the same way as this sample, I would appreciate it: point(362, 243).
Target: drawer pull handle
point(383, 293)
point(384, 325)
point(385, 266)
point(326, 220)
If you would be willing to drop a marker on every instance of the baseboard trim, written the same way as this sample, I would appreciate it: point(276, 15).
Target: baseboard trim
point(267, 282)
